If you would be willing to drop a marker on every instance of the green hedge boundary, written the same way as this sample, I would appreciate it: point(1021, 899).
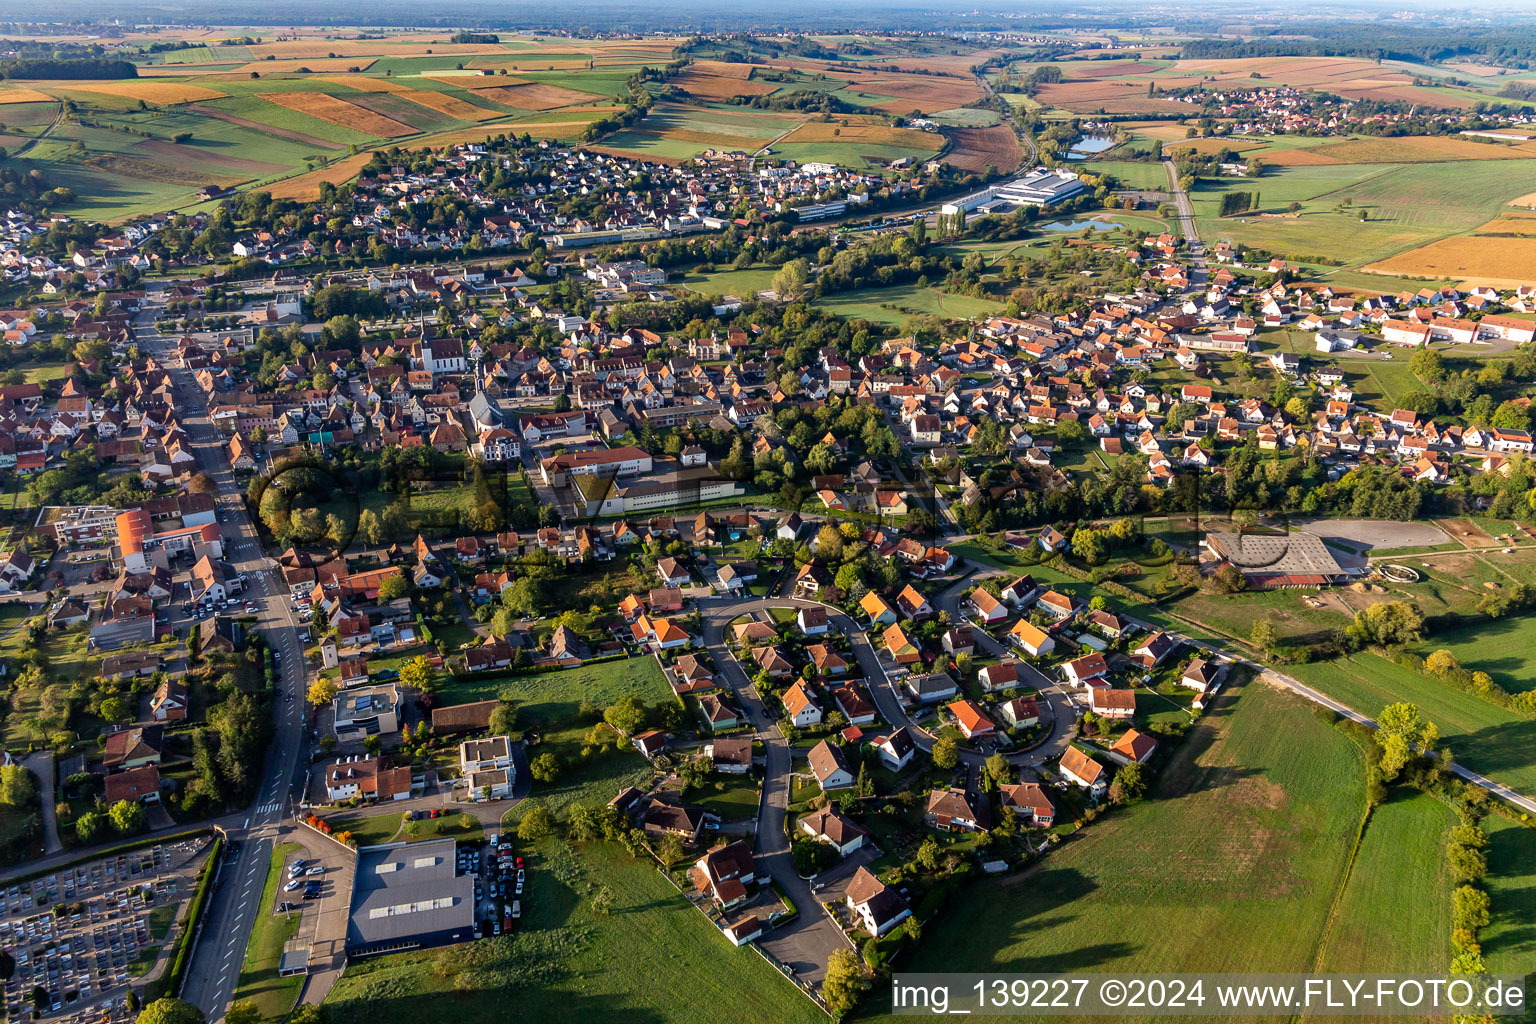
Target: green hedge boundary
point(170, 981)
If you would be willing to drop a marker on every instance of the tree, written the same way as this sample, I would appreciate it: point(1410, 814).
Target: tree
point(791, 279)
point(17, 786)
point(829, 543)
point(322, 691)
point(171, 1011)
point(419, 674)
point(1389, 623)
point(1130, 784)
point(393, 587)
point(504, 718)
point(1401, 730)
point(946, 753)
point(242, 1012)
point(545, 767)
point(1089, 545)
point(602, 902)
point(88, 827)
point(845, 982)
point(202, 483)
point(127, 817)
point(999, 769)
point(114, 709)
point(1264, 635)
point(670, 849)
point(627, 715)
point(537, 824)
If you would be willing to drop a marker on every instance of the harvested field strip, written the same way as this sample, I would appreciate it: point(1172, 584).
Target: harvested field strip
point(450, 105)
point(1208, 146)
point(149, 92)
point(332, 48)
point(1113, 97)
point(306, 187)
point(396, 108)
point(289, 67)
point(976, 149)
point(1493, 261)
point(530, 64)
point(340, 112)
point(1108, 69)
point(365, 83)
point(716, 140)
point(149, 170)
point(190, 155)
point(816, 131)
point(932, 92)
point(24, 96)
point(282, 133)
point(714, 87)
point(537, 97)
point(629, 154)
point(1298, 158)
point(1420, 149)
point(721, 69)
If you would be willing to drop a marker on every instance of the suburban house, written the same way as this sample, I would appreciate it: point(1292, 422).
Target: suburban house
point(880, 613)
point(800, 707)
point(366, 777)
point(1155, 649)
point(988, 609)
point(972, 722)
point(366, 711)
point(899, 647)
point(1021, 712)
point(1081, 770)
point(1079, 671)
point(725, 872)
point(812, 621)
point(1119, 705)
point(486, 767)
point(912, 604)
point(133, 748)
point(169, 701)
point(1202, 675)
point(829, 826)
point(931, 688)
point(1029, 801)
point(731, 755)
point(1133, 746)
point(830, 766)
point(1035, 641)
point(952, 809)
point(136, 785)
point(897, 749)
point(877, 908)
point(1058, 606)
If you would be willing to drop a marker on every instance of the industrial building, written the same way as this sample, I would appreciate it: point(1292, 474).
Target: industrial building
point(1040, 187)
point(409, 896)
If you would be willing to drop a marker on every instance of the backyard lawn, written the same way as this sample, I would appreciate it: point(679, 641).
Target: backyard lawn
point(653, 959)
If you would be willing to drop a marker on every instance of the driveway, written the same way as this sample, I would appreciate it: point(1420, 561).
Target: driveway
point(41, 765)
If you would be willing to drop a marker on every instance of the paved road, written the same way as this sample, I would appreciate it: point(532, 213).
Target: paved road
point(41, 765)
point(232, 911)
point(1197, 269)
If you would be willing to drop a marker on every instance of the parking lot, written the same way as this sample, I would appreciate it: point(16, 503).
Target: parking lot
point(81, 936)
point(500, 877)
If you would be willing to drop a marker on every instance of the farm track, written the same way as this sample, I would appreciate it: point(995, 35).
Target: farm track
point(40, 136)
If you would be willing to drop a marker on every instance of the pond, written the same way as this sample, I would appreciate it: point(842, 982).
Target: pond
point(1078, 225)
point(1090, 145)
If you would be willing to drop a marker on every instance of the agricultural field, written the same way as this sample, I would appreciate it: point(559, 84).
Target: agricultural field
point(1509, 942)
point(568, 963)
point(1232, 865)
point(1404, 206)
point(1403, 852)
point(1485, 738)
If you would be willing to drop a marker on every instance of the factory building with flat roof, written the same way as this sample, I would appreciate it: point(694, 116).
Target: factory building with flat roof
point(1040, 187)
point(409, 896)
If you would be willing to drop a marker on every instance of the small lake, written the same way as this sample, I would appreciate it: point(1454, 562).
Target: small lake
point(1078, 225)
point(1090, 145)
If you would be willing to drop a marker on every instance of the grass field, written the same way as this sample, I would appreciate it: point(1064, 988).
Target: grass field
point(1509, 941)
point(259, 982)
point(894, 306)
point(1403, 854)
point(548, 706)
point(1485, 738)
point(1233, 865)
point(1406, 205)
point(654, 959)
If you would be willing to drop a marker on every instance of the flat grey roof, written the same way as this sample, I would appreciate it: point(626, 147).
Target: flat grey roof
point(404, 890)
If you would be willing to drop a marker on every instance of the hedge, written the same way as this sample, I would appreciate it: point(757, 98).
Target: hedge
point(170, 981)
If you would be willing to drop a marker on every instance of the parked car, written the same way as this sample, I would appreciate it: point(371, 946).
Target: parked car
point(318, 869)
point(291, 886)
